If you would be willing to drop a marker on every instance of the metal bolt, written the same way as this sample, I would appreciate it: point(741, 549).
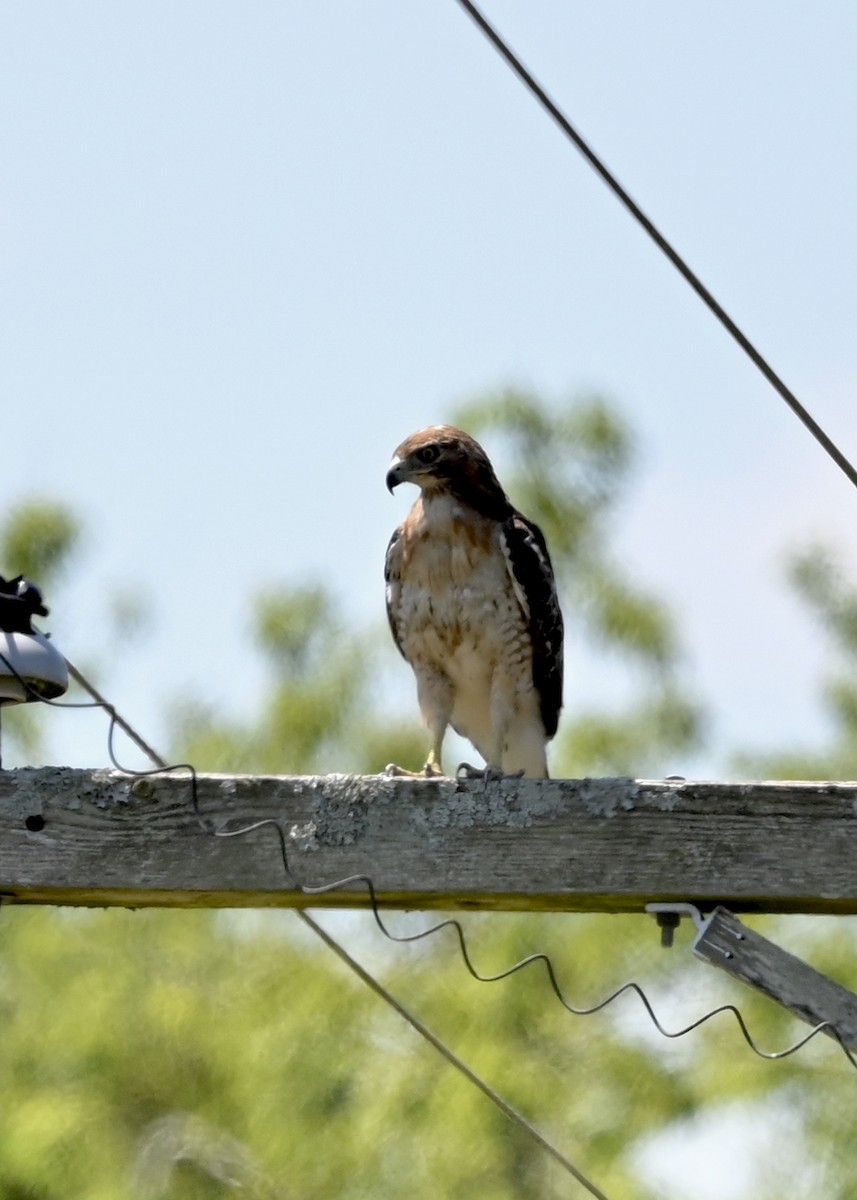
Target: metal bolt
point(668, 922)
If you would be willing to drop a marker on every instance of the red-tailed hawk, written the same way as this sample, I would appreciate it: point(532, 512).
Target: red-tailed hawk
point(472, 605)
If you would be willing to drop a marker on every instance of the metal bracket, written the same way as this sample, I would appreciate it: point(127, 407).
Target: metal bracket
point(724, 942)
point(668, 917)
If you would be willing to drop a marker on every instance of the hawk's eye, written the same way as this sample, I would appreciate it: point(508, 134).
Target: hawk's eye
point(427, 454)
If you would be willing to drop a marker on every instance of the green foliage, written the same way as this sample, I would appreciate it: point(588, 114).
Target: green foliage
point(638, 744)
point(820, 582)
point(316, 694)
point(205, 1032)
point(234, 1046)
point(295, 627)
point(38, 540)
point(130, 614)
point(819, 579)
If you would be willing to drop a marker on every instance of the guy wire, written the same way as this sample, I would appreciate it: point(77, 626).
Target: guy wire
point(529, 80)
point(451, 1057)
point(100, 702)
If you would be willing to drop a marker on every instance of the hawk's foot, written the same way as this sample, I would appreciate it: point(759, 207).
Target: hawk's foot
point(430, 771)
point(487, 774)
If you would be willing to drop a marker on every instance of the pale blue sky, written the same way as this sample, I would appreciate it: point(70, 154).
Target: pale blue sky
point(247, 248)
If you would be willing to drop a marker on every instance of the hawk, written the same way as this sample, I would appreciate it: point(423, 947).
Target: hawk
point(472, 605)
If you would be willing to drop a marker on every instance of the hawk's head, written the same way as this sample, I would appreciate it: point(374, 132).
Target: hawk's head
point(442, 458)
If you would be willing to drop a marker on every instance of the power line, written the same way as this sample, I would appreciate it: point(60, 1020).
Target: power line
point(451, 1057)
point(529, 80)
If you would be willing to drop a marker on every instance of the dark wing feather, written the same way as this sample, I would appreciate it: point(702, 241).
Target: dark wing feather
point(532, 572)
point(392, 581)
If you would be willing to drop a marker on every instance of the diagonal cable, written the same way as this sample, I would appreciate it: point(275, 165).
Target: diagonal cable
point(529, 80)
point(451, 1057)
point(117, 718)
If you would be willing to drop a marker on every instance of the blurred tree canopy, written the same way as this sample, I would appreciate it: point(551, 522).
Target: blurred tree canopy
point(818, 579)
point(185, 1055)
point(38, 539)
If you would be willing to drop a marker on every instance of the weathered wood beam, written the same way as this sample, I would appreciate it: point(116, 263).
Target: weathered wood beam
point(606, 845)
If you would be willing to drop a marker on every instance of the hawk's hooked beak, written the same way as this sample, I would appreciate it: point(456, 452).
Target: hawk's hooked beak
point(395, 475)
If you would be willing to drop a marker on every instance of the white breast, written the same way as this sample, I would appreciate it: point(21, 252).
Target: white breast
point(457, 612)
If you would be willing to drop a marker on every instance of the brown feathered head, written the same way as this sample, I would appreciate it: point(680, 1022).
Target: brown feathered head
point(442, 458)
